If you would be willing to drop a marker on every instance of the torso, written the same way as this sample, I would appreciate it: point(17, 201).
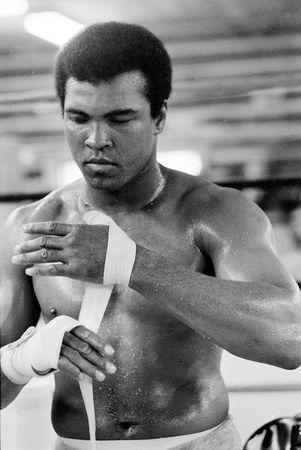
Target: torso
point(168, 380)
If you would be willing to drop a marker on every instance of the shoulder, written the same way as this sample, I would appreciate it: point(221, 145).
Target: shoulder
point(48, 208)
point(209, 201)
point(223, 215)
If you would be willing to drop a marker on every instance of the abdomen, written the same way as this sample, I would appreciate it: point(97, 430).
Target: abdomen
point(167, 381)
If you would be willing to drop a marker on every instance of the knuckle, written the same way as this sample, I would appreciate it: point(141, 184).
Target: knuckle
point(71, 238)
point(64, 349)
point(54, 269)
point(61, 363)
point(42, 241)
point(85, 349)
point(83, 332)
point(67, 336)
point(51, 225)
point(44, 253)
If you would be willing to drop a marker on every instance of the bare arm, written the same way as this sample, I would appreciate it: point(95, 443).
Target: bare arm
point(252, 307)
point(82, 352)
point(19, 306)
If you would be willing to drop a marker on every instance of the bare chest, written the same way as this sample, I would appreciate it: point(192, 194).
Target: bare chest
point(168, 237)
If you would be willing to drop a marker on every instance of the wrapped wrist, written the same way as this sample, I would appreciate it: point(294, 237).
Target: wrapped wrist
point(36, 352)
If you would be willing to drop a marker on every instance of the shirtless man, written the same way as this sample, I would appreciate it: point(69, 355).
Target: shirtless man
point(205, 275)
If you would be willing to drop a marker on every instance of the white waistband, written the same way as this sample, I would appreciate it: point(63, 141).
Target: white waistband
point(137, 444)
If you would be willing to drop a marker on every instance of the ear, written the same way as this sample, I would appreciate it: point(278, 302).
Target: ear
point(161, 118)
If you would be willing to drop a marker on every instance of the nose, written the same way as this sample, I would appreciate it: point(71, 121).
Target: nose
point(98, 137)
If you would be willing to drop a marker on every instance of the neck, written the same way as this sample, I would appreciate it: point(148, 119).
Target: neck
point(136, 194)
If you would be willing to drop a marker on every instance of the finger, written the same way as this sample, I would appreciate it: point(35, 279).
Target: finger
point(50, 227)
point(84, 366)
point(49, 270)
point(94, 340)
point(89, 353)
point(42, 256)
point(71, 369)
point(38, 243)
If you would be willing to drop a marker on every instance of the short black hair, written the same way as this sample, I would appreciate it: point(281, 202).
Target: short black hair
point(104, 50)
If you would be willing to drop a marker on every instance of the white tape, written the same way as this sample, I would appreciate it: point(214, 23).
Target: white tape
point(40, 350)
point(121, 250)
point(120, 258)
point(94, 305)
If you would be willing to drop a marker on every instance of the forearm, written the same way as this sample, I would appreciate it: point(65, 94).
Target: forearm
point(253, 320)
point(9, 390)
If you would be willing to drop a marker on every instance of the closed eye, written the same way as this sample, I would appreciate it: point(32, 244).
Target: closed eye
point(78, 118)
point(122, 116)
point(120, 119)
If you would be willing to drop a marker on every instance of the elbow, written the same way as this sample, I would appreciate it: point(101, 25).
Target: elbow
point(291, 354)
point(280, 347)
point(285, 352)
point(283, 361)
point(289, 361)
point(286, 335)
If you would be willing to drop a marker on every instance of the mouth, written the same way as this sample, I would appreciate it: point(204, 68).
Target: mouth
point(100, 161)
point(101, 165)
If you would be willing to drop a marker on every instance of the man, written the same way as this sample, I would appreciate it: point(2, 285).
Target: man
point(203, 274)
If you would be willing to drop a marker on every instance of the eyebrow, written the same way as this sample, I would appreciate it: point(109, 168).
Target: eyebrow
point(120, 112)
point(75, 111)
point(115, 112)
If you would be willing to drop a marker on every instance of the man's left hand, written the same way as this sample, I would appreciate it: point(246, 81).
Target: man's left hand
point(75, 251)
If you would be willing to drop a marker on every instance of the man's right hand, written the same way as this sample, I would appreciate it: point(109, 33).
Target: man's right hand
point(84, 353)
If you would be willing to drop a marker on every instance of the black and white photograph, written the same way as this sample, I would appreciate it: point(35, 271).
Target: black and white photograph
point(150, 224)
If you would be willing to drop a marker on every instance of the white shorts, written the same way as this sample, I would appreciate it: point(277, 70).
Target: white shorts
point(223, 437)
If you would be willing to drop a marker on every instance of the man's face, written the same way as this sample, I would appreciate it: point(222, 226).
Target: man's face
point(109, 128)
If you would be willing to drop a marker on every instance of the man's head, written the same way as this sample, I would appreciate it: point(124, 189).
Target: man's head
point(102, 51)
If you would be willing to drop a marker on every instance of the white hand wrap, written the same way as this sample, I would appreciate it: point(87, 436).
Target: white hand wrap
point(39, 350)
point(121, 250)
point(120, 257)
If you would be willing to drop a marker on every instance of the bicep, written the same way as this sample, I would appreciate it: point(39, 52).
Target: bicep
point(242, 247)
point(19, 306)
point(255, 261)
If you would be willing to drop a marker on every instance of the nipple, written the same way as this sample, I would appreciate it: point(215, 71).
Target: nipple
point(52, 311)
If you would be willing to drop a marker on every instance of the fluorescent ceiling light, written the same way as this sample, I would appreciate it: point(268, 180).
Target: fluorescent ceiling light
point(189, 161)
point(13, 7)
point(51, 26)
